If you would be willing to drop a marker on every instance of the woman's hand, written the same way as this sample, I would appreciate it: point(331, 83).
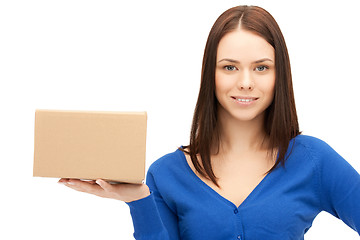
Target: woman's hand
point(125, 191)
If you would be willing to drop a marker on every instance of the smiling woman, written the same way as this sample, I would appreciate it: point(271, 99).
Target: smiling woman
point(261, 42)
point(247, 173)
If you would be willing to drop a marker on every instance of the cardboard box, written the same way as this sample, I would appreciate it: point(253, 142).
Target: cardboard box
point(90, 145)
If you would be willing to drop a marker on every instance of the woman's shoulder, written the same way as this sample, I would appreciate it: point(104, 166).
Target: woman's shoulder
point(168, 162)
point(168, 172)
point(311, 143)
point(319, 151)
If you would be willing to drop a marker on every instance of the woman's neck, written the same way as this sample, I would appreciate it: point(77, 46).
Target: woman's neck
point(237, 137)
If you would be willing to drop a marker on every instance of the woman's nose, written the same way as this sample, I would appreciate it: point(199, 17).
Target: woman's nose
point(245, 82)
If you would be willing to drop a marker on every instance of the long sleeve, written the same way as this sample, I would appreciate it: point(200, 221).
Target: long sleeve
point(339, 185)
point(152, 218)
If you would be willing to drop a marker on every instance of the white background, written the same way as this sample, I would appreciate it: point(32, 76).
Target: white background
point(146, 55)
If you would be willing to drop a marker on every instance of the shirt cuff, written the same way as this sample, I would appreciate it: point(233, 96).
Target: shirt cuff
point(145, 216)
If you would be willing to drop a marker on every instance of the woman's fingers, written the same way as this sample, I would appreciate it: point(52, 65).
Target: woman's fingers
point(63, 180)
point(104, 185)
point(82, 186)
point(101, 188)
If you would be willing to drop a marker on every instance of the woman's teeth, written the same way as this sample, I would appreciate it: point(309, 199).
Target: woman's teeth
point(244, 100)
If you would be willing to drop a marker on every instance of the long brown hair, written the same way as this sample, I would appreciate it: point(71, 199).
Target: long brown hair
point(281, 124)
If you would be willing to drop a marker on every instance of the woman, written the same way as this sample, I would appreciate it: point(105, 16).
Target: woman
point(247, 172)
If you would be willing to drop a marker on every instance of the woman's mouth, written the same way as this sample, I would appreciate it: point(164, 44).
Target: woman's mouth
point(244, 100)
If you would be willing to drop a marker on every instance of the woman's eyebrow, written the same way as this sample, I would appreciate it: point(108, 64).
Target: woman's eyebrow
point(236, 61)
point(229, 60)
point(263, 60)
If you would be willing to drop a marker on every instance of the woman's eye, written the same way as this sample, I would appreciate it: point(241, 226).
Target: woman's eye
point(230, 68)
point(261, 68)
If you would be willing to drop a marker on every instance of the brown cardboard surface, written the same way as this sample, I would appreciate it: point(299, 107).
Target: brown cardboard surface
point(90, 145)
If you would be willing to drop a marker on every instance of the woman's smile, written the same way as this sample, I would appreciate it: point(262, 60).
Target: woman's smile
point(246, 101)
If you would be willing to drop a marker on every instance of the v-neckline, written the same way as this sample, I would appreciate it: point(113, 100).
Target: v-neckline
point(217, 194)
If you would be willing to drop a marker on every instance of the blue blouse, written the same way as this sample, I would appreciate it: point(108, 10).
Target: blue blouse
point(282, 206)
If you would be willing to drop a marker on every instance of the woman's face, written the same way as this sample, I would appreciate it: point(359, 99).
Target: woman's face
point(244, 75)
